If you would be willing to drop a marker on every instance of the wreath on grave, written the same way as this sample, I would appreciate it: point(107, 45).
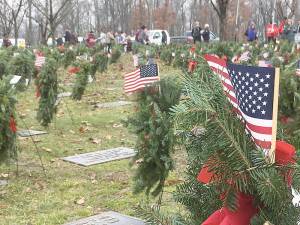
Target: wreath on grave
point(22, 65)
point(4, 59)
point(48, 89)
point(8, 148)
point(153, 126)
point(81, 79)
point(69, 57)
point(100, 61)
point(115, 55)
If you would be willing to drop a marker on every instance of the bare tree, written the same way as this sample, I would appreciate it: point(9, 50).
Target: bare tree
point(220, 6)
point(52, 13)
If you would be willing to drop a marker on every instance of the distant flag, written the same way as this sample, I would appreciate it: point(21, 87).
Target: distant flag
point(264, 63)
point(253, 92)
point(245, 57)
point(298, 68)
point(39, 60)
point(141, 77)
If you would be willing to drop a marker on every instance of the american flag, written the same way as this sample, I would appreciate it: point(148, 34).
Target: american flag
point(264, 63)
point(250, 90)
point(139, 78)
point(298, 68)
point(245, 57)
point(39, 61)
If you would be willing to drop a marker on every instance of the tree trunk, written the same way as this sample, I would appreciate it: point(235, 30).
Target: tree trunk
point(29, 31)
point(16, 31)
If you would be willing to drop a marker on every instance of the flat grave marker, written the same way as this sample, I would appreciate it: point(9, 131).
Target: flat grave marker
point(107, 218)
point(112, 104)
point(29, 133)
point(99, 157)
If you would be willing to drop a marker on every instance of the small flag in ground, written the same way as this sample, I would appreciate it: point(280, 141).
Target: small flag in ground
point(250, 90)
point(39, 61)
point(245, 57)
point(264, 63)
point(298, 68)
point(138, 79)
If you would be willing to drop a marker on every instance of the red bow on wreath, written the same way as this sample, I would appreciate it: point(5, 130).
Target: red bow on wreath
point(285, 154)
point(74, 70)
point(192, 66)
point(12, 124)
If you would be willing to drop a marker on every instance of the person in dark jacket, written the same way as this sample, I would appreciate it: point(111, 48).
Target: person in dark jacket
point(206, 33)
point(164, 38)
point(68, 36)
point(251, 33)
point(196, 32)
point(6, 42)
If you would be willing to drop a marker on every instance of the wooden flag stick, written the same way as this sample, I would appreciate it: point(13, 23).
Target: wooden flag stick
point(275, 115)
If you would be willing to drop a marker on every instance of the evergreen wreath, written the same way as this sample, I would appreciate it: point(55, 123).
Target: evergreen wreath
point(115, 54)
point(100, 61)
point(4, 59)
point(215, 136)
point(69, 57)
point(81, 79)
point(22, 65)
point(155, 136)
point(48, 87)
point(8, 148)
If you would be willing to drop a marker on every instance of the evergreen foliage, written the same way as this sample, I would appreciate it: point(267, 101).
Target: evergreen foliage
point(115, 55)
point(22, 65)
point(155, 136)
point(8, 148)
point(48, 87)
point(69, 57)
point(100, 61)
point(223, 145)
point(81, 79)
point(4, 59)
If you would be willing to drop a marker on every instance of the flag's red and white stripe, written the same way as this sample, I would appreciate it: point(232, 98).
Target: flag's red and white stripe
point(39, 61)
point(134, 81)
point(260, 129)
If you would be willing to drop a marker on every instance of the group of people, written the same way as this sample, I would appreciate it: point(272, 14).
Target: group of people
point(285, 30)
point(200, 34)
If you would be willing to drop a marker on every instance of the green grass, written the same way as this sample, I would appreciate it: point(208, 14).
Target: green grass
point(34, 198)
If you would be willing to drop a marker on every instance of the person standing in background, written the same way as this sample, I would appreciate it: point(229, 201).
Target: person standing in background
point(272, 32)
point(196, 32)
point(206, 33)
point(6, 42)
point(251, 33)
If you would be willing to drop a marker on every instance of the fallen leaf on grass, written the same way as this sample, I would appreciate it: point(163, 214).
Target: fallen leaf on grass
point(80, 201)
point(4, 175)
point(83, 129)
point(116, 125)
point(28, 190)
point(108, 137)
point(172, 182)
point(95, 140)
point(46, 149)
point(22, 115)
point(40, 185)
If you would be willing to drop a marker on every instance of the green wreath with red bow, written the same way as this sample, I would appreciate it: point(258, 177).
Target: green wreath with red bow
point(8, 127)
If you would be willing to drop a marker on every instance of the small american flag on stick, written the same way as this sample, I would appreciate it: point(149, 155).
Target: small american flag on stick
point(141, 77)
point(253, 92)
point(39, 61)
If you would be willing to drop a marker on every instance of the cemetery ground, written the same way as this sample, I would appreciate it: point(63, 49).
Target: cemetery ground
point(66, 191)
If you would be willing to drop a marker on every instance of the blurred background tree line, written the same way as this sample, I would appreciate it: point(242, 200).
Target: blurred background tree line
point(38, 20)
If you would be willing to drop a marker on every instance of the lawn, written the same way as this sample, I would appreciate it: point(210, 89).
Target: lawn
point(64, 191)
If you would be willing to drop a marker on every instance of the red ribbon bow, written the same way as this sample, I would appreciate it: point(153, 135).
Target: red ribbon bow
point(285, 154)
point(12, 124)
